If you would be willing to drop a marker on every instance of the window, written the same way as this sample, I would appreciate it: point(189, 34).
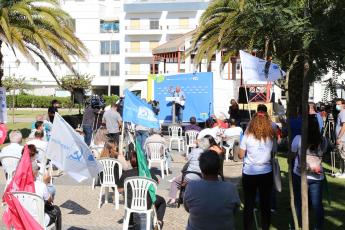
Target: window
point(109, 26)
point(110, 47)
point(154, 24)
point(37, 66)
point(135, 24)
point(72, 24)
point(114, 69)
point(153, 44)
point(184, 23)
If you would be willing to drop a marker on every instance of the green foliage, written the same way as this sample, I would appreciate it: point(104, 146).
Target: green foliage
point(74, 82)
point(41, 28)
point(27, 101)
point(109, 99)
point(13, 83)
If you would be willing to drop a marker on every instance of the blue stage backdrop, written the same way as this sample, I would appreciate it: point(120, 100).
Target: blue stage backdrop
point(198, 88)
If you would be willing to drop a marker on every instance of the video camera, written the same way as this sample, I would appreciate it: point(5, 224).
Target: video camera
point(97, 102)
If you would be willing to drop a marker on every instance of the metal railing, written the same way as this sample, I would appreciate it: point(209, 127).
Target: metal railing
point(181, 27)
point(137, 72)
point(143, 27)
point(138, 50)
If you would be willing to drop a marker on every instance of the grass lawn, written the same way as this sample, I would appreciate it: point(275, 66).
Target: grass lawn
point(334, 213)
point(32, 113)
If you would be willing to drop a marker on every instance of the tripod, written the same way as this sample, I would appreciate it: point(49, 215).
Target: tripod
point(329, 134)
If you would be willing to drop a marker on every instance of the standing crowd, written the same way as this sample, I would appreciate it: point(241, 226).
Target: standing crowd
point(201, 187)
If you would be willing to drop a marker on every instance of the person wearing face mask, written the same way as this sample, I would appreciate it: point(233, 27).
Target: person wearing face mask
point(340, 134)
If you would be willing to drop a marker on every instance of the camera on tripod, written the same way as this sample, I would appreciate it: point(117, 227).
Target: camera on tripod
point(97, 102)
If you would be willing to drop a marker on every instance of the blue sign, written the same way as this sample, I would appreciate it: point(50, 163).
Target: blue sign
point(198, 89)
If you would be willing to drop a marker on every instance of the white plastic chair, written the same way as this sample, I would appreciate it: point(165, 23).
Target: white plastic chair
point(175, 134)
point(9, 164)
point(34, 204)
point(155, 154)
point(96, 150)
point(230, 141)
point(109, 179)
point(140, 187)
point(44, 167)
point(191, 140)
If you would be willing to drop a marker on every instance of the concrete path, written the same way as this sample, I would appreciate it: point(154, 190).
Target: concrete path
point(79, 203)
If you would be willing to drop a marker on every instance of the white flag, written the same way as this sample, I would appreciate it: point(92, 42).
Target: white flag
point(256, 69)
point(68, 151)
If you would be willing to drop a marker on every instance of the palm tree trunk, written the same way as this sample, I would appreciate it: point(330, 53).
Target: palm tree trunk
point(304, 184)
point(1, 69)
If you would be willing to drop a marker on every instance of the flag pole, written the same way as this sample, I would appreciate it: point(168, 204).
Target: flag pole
point(122, 137)
point(245, 87)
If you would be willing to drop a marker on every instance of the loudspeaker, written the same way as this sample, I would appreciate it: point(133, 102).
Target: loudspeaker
point(242, 98)
point(78, 96)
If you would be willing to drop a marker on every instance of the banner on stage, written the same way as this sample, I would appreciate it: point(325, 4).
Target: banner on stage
point(68, 151)
point(139, 112)
point(3, 105)
point(198, 90)
point(256, 69)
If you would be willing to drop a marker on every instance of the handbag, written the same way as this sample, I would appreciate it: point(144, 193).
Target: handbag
point(277, 180)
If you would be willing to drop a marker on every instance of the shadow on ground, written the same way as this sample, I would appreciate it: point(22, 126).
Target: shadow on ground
point(75, 208)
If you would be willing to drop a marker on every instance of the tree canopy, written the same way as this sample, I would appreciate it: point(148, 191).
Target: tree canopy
point(39, 28)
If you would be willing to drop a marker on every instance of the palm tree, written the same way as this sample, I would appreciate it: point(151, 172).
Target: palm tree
point(39, 28)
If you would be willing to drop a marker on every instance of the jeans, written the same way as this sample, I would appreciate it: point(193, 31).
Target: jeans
point(314, 196)
point(141, 136)
point(88, 134)
point(251, 184)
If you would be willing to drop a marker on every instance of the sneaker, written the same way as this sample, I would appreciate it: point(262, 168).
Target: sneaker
point(341, 176)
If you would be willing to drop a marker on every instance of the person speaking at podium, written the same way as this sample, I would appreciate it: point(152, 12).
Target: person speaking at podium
point(179, 103)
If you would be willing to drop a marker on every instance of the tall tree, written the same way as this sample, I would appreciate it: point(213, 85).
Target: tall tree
point(39, 28)
point(305, 38)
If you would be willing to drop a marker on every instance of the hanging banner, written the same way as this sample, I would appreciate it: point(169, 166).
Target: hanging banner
point(3, 106)
point(198, 91)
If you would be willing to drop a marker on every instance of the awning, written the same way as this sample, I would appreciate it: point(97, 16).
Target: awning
point(174, 45)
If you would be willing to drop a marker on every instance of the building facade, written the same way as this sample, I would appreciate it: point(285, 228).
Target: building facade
point(119, 36)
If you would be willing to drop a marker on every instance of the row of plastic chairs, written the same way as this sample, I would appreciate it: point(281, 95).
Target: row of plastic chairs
point(34, 204)
point(175, 135)
point(139, 186)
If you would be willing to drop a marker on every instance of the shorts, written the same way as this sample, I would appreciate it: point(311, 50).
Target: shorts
point(341, 150)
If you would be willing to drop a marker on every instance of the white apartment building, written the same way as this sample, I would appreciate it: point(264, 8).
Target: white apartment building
point(120, 36)
point(148, 24)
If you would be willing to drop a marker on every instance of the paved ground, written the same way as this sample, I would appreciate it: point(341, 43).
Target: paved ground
point(79, 203)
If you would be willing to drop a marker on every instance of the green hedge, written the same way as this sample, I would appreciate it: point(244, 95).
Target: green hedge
point(110, 99)
point(29, 101)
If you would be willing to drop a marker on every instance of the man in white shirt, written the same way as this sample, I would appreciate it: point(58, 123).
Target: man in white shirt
point(233, 130)
point(52, 213)
point(113, 121)
point(340, 134)
point(14, 149)
point(39, 143)
point(209, 131)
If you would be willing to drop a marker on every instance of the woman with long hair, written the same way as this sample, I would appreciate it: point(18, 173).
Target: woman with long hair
point(316, 146)
point(110, 150)
point(255, 148)
point(100, 136)
point(234, 111)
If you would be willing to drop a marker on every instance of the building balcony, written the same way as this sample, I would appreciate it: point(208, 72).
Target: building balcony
point(177, 29)
point(144, 29)
point(140, 75)
point(138, 52)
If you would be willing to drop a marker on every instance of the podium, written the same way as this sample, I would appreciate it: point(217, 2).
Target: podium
point(174, 100)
